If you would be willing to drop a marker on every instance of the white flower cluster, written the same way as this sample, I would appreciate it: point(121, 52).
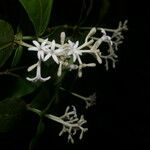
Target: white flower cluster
point(68, 54)
point(70, 122)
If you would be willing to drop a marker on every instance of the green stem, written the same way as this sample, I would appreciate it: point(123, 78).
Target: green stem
point(10, 71)
point(74, 94)
point(42, 114)
point(106, 29)
point(28, 37)
point(23, 44)
point(52, 117)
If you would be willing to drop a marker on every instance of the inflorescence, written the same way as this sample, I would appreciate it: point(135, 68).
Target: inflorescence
point(68, 54)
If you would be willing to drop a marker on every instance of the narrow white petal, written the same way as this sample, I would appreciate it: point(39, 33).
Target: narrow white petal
point(33, 49)
point(60, 50)
point(76, 44)
point(40, 55)
point(45, 79)
point(36, 44)
point(74, 57)
point(47, 56)
point(55, 59)
point(59, 70)
point(70, 43)
point(32, 67)
point(53, 45)
point(32, 79)
point(44, 42)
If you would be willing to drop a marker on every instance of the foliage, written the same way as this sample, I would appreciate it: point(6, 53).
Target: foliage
point(55, 54)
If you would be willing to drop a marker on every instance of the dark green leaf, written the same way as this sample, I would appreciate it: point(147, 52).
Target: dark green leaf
point(22, 87)
point(6, 41)
point(41, 100)
point(11, 114)
point(103, 9)
point(39, 132)
point(17, 56)
point(38, 12)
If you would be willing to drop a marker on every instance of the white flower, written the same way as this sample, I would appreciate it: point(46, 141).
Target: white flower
point(40, 48)
point(38, 73)
point(52, 52)
point(74, 51)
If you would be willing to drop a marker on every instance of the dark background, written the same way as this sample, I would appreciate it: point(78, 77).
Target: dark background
point(120, 119)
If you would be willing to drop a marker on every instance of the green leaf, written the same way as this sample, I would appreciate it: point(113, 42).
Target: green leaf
point(11, 114)
point(105, 5)
point(22, 87)
point(35, 140)
point(6, 41)
point(38, 12)
point(17, 56)
point(41, 99)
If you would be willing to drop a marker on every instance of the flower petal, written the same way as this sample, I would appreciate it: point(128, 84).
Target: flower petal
point(36, 44)
point(44, 79)
point(55, 58)
point(33, 48)
point(40, 55)
point(76, 44)
point(47, 56)
point(44, 42)
point(53, 45)
point(74, 57)
point(32, 79)
point(32, 67)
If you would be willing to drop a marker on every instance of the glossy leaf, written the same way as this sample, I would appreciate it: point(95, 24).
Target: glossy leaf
point(38, 12)
point(6, 41)
point(17, 56)
point(22, 87)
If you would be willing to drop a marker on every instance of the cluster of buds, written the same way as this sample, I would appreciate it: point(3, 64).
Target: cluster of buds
point(67, 54)
point(70, 122)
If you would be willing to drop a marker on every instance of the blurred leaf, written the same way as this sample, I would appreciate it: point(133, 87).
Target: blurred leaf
point(23, 87)
point(86, 9)
point(11, 113)
point(39, 132)
point(6, 41)
point(38, 12)
point(103, 9)
point(17, 56)
point(42, 99)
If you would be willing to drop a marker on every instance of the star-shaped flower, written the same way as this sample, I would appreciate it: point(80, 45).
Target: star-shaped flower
point(40, 48)
point(74, 51)
point(51, 52)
